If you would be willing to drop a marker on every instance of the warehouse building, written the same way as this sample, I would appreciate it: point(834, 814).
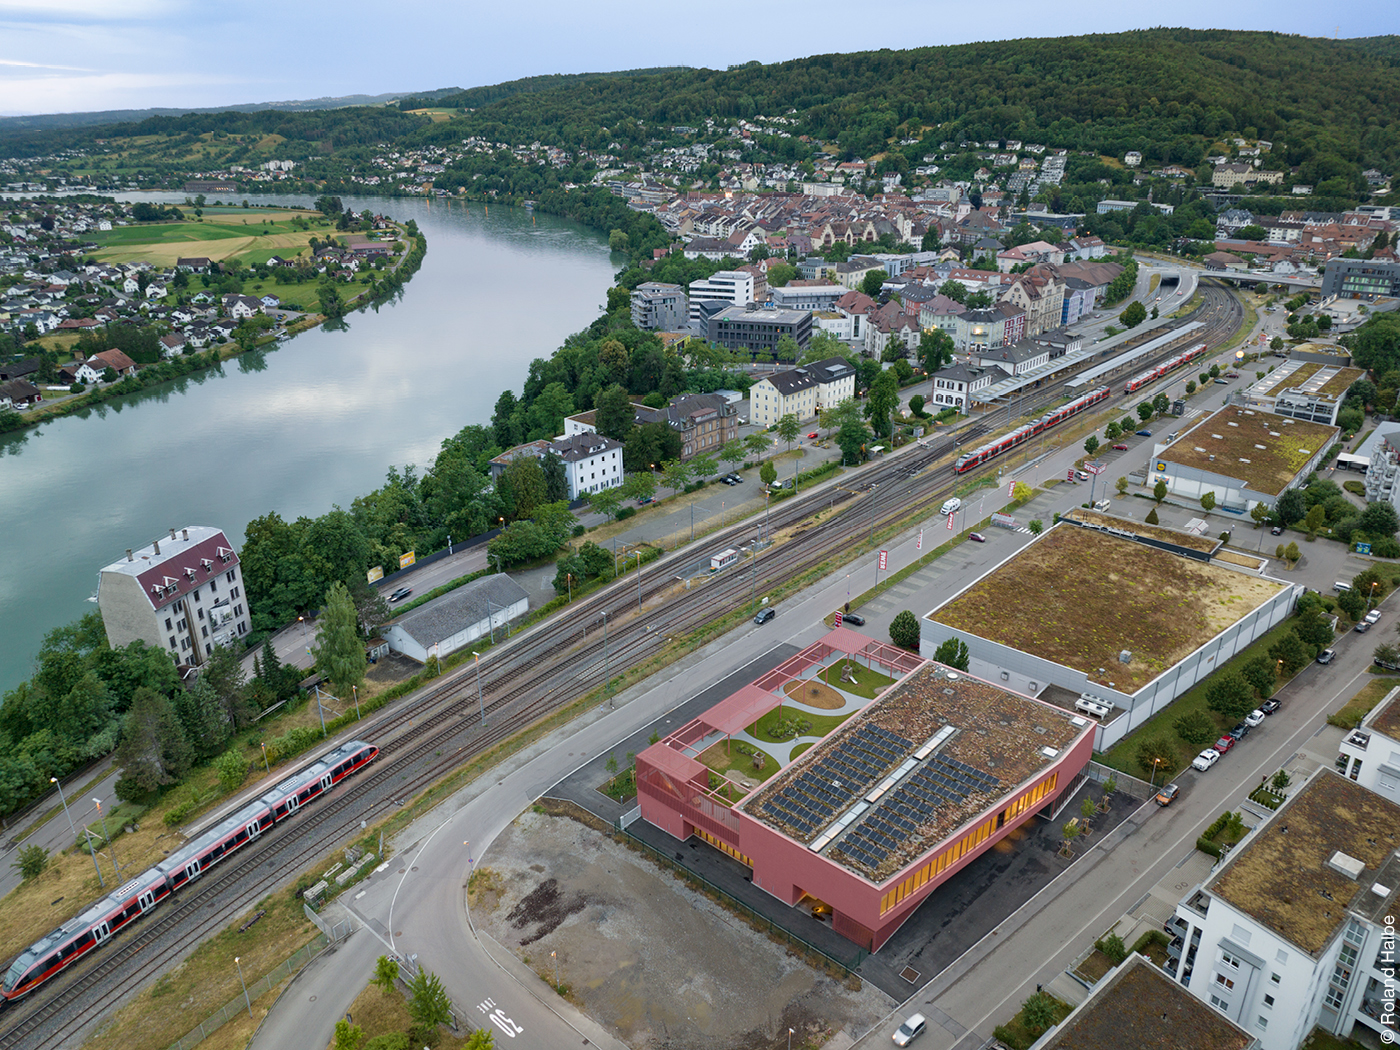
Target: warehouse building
point(1140, 617)
point(458, 618)
point(867, 822)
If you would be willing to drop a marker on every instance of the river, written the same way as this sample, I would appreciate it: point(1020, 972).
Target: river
point(312, 424)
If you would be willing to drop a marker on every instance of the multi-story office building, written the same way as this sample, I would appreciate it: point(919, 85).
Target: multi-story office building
point(659, 307)
point(759, 329)
point(734, 287)
point(1359, 278)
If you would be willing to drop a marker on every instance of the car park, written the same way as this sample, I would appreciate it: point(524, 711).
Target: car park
point(1224, 744)
point(400, 594)
point(976, 537)
point(1120, 447)
point(1326, 656)
point(910, 1030)
point(950, 506)
point(1254, 717)
point(1271, 705)
point(853, 618)
point(764, 615)
point(1205, 759)
point(1168, 794)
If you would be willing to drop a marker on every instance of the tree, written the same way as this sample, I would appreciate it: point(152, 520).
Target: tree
point(756, 444)
point(1145, 411)
point(732, 452)
point(639, 485)
point(1379, 519)
point(652, 444)
point(1262, 674)
point(884, 399)
point(1259, 513)
point(1036, 526)
point(339, 653)
point(768, 473)
point(916, 406)
point(1353, 603)
point(788, 429)
point(677, 474)
point(952, 652)
point(386, 972)
point(1190, 387)
point(873, 281)
point(233, 770)
point(1122, 486)
point(31, 862)
point(153, 751)
point(1276, 343)
point(614, 415)
point(935, 349)
point(429, 1005)
point(1157, 753)
point(1021, 492)
point(1152, 518)
point(556, 477)
point(1292, 507)
point(1208, 502)
point(1196, 728)
point(1091, 445)
point(1291, 553)
point(347, 1036)
point(1134, 315)
point(1316, 518)
point(1292, 651)
point(1229, 695)
point(522, 483)
point(1159, 491)
point(1037, 1013)
point(1161, 405)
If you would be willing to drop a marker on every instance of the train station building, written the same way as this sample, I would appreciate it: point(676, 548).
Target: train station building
point(1142, 613)
point(871, 802)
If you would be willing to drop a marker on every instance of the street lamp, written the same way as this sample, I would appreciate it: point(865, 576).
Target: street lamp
point(108, 837)
point(480, 705)
point(55, 782)
point(244, 983)
point(266, 768)
point(1371, 597)
point(356, 692)
point(1155, 763)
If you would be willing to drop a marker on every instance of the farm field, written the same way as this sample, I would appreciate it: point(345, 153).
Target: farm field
point(246, 234)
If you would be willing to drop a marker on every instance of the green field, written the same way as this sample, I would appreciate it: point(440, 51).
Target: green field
point(248, 234)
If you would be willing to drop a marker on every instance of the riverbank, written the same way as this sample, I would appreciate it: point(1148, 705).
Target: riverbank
point(378, 291)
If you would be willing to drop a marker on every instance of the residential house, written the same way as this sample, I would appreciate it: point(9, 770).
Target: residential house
point(890, 324)
point(1014, 359)
point(18, 369)
point(172, 345)
point(657, 306)
point(793, 392)
point(703, 421)
point(591, 462)
point(114, 359)
point(241, 307)
point(857, 308)
point(19, 393)
point(1001, 324)
point(836, 381)
point(1041, 295)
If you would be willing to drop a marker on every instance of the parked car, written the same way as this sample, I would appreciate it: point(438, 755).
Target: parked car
point(813, 434)
point(1232, 375)
point(1143, 433)
point(1374, 616)
point(1254, 717)
point(1224, 743)
point(1362, 627)
point(1240, 731)
point(951, 505)
point(1326, 656)
point(1205, 759)
point(853, 618)
point(1120, 448)
point(1222, 380)
point(910, 1030)
point(737, 478)
point(1277, 530)
point(728, 480)
point(400, 594)
point(764, 615)
point(1167, 795)
point(1271, 705)
point(976, 537)
point(642, 501)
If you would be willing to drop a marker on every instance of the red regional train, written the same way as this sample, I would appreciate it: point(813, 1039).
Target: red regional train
point(1009, 441)
point(79, 936)
point(1139, 381)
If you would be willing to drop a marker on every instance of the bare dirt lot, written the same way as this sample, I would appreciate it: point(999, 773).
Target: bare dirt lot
point(657, 963)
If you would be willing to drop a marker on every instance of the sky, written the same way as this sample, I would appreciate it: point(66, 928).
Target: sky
point(59, 56)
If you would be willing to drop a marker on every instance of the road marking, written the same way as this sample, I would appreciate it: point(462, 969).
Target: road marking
point(361, 894)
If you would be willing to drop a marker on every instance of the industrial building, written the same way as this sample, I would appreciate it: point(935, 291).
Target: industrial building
point(1142, 613)
point(1244, 455)
point(1300, 388)
point(457, 618)
point(869, 820)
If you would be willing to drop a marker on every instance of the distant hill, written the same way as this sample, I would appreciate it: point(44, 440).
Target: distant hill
point(1172, 94)
point(49, 121)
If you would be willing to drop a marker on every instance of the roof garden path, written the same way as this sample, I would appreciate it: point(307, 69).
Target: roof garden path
point(782, 750)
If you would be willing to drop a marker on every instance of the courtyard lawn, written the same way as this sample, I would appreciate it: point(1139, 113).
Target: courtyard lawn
point(867, 684)
point(769, 727)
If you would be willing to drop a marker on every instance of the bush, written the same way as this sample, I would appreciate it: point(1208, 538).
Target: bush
point(624, 513)
point(232, 768)
point(176, 814)
point(31, 863)
point(1113, 947)
point(904, 630)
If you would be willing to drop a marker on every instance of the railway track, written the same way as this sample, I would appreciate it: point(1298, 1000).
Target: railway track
point(522, 681)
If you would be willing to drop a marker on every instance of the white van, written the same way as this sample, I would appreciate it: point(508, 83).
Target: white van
point(1340, 586)
point(951, 506)
point(1102, 505)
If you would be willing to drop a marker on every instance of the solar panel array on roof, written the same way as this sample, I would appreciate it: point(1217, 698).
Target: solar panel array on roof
point(887, 828)
point(810, 800)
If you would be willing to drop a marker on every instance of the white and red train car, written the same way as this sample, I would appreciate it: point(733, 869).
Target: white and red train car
point(1006, 442)
point(80, 935)
point(1141, 380)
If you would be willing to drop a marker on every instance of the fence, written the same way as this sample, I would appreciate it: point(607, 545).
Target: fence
point(235, 1006)
point(757, 920)
point(334, 932)
point(1129, 785)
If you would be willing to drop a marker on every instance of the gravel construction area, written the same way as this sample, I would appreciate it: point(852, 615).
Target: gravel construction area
point(657, 963)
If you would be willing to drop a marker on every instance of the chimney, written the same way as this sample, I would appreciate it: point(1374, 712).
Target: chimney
point(172, 535)
point(185, 533)
point(128, 555)
point(156, 545)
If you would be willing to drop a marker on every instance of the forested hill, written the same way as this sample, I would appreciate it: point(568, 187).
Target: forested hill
point(1109, 93)
point(1169, 93)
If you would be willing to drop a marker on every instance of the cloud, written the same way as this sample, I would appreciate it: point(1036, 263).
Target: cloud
point(90, 10)
point(60, 93)
point(41, 65)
